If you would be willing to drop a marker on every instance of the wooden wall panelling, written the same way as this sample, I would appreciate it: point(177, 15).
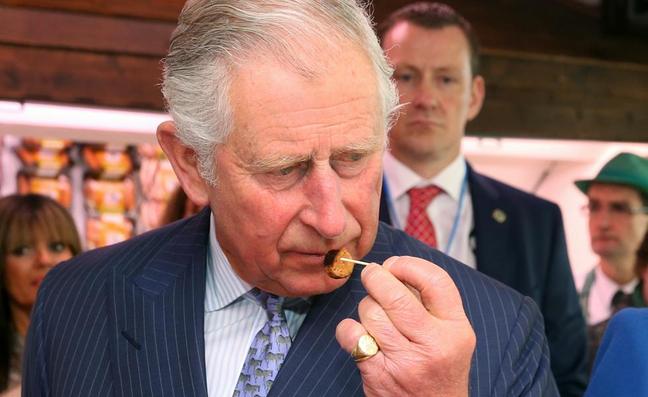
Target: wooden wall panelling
point(558, 97)
point(166, 10)
point(41, 28)
point(78, 77)
point(107, 52)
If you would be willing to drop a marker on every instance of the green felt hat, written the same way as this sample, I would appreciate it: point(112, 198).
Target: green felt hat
point(624, 169)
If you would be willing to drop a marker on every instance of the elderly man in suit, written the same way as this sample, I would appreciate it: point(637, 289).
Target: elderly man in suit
point(280, 111)
point(433, 194)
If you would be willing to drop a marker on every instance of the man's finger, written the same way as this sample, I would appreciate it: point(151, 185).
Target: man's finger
point(438, 291)
point(403, 308)
point(379, 325)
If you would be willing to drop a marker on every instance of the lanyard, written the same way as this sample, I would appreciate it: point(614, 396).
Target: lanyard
point(455, 222)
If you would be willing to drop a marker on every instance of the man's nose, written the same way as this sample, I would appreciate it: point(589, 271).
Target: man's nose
point(326, 212)
point(425, 95)
point(601, 218)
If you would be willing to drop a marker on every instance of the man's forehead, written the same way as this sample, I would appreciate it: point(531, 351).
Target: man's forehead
point(613, 192)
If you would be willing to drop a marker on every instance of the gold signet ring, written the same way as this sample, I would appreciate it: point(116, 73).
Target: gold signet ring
point(365, 348)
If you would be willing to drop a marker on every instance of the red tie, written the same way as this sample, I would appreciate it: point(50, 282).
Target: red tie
point(418, 223)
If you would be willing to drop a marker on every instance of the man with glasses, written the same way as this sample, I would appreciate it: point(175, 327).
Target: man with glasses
point(618, 223)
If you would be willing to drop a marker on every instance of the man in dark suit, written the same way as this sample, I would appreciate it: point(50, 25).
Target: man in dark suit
point(280, 115)
point(510, 235)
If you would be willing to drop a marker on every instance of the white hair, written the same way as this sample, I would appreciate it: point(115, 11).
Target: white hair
point(213, 37)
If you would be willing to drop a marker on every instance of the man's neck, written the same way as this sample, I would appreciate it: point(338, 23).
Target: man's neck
point(426, 168)
point(619, 270)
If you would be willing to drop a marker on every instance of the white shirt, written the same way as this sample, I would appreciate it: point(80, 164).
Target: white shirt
point(442, 210)
point(599, 304)
point(232, 319)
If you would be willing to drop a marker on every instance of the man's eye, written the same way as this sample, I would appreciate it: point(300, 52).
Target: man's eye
point(287, 171)
point(403, 77)
point(594, 207)
point(620, 208)
point(446, 80)
point(349, 164)
point(284, 177)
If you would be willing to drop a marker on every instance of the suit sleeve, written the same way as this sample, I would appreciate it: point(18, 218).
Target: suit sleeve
point(564, 322)
point(34, 376)
point(525, 370)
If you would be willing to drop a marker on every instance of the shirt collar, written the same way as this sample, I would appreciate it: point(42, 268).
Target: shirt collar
point(401, 178)
point(609, 287)
point(224, 286)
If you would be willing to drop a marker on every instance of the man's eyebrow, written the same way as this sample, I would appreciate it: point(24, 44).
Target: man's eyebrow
point(273, 162)
point(366, 145)
point(276, 161)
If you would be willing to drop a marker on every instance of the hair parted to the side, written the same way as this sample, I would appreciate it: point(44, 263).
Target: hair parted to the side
point(434, 16)
point(213, 37)
point(23, 219)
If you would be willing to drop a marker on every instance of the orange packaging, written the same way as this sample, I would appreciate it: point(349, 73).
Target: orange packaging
point(105, 196)
point(108, 229)
point(59, 189)
point(109, 162)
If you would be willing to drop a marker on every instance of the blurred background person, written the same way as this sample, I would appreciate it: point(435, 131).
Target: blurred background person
point(618, 223)
point(178, 206)
point(432, 193)
point(622, 361)
point(36, 233)
point(642, 270)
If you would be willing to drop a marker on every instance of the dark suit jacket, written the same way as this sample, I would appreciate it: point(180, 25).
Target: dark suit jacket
point(622, 360)
point(127, 320)
point(527, 251)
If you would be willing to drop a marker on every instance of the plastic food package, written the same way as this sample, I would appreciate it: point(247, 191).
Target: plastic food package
point(58, 188)
point(106, 196)
point(108, 229)
point(107, 161)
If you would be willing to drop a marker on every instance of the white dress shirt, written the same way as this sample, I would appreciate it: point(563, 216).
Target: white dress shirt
point(599, 304)
point(443, 210)
point(232, 319)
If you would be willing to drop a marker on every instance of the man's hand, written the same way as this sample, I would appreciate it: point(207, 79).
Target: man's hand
point(426, 341)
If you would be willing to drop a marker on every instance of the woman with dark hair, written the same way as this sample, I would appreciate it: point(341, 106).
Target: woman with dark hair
point(36, 233)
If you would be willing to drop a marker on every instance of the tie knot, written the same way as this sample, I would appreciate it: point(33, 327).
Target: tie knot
point(270, 302)
point(422, 196)
point(621, 300)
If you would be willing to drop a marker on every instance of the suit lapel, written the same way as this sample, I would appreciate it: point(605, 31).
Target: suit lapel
point(495, 242)
point(159, 310)
point(316, 365)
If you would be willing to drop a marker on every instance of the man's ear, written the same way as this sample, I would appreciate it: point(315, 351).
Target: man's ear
point(477, 93)
point(183, 160)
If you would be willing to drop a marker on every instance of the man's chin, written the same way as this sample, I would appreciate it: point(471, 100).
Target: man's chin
point(311, 287)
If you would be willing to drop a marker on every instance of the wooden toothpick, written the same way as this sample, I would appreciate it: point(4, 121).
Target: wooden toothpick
point(354, 261)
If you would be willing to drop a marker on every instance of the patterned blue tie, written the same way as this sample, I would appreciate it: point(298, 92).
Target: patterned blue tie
point(268, 349)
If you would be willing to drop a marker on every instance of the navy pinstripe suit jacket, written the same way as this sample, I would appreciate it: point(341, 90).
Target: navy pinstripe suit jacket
point(127, 320)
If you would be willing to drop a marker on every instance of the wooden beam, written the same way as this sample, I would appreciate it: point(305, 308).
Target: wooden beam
point(556, 97)
point(166, 10)
point(83, 32)
point(76, 77)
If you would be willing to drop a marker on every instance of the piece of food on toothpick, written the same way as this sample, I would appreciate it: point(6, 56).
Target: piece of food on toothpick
point(335, 266)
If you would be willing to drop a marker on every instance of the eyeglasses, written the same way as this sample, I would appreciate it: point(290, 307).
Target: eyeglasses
point(614, 209)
